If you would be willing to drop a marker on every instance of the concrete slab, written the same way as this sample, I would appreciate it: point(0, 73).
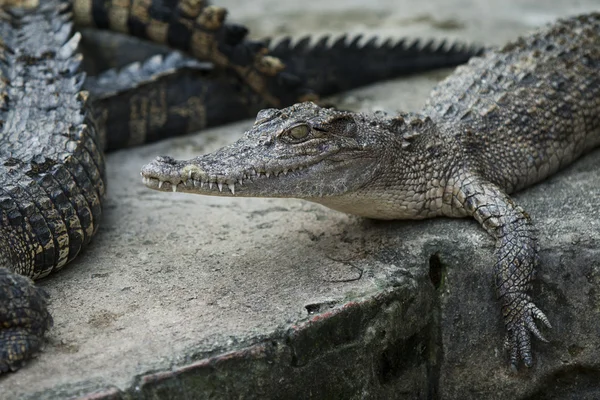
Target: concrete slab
point(175, 284)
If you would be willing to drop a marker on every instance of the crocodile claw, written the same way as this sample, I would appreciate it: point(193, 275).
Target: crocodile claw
point(520, 314)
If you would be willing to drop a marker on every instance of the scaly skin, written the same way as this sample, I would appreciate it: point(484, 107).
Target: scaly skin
point(51, 170)
point(497, 125)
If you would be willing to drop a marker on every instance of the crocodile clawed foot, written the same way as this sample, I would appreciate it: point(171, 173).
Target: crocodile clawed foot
point(24, 318)
point(520, 315)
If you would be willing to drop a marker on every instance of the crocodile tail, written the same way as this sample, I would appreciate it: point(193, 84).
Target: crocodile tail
point(199, 29)
point(332, 66)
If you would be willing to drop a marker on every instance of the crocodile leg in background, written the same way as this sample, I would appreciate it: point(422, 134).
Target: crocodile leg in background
point(497, 125)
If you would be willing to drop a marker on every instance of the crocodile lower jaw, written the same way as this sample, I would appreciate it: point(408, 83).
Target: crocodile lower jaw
point(216, 186)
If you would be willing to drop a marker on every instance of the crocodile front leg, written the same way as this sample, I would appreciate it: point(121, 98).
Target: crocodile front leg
point(516, 259)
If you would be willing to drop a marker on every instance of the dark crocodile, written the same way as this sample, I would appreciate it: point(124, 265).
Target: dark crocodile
point(52, 139)
point(499, 124)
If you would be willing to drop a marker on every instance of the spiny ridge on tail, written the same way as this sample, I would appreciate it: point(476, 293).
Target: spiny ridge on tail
point(333, 65)
point(114, 80)
point(52, 170)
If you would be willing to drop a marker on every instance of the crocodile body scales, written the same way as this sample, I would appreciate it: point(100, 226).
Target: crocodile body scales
point(499, 124)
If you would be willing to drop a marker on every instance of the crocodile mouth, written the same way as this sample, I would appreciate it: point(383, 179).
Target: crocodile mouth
point(168, 175)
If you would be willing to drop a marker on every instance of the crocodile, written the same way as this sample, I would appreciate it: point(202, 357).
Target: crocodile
point(502, 122)
point(56, 123)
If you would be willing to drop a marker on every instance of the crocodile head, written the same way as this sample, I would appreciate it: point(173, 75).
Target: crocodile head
point(304, 151)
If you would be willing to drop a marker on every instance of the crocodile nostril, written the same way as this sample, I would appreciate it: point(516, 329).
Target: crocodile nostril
point(166, 159)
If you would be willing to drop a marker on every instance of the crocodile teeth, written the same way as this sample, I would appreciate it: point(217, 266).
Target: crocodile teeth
point(232, 187)
point(220, 185)
point(190, 174)
point(268, 174)
point(285, 171)
point(160, 183)
point(210, 185)
point(174, 187)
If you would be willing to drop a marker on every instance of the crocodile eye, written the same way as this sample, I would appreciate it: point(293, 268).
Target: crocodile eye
point(298, 132)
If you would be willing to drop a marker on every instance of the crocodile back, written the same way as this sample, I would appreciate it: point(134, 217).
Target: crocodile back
point(526, 110)
point(51, 163)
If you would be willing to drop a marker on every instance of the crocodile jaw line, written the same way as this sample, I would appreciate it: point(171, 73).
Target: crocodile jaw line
point(167, 175)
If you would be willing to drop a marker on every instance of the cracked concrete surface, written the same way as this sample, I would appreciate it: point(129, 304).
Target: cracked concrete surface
point(173, 279)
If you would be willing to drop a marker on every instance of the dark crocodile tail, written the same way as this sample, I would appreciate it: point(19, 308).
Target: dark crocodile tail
point(330, 66)
point(199, 29)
